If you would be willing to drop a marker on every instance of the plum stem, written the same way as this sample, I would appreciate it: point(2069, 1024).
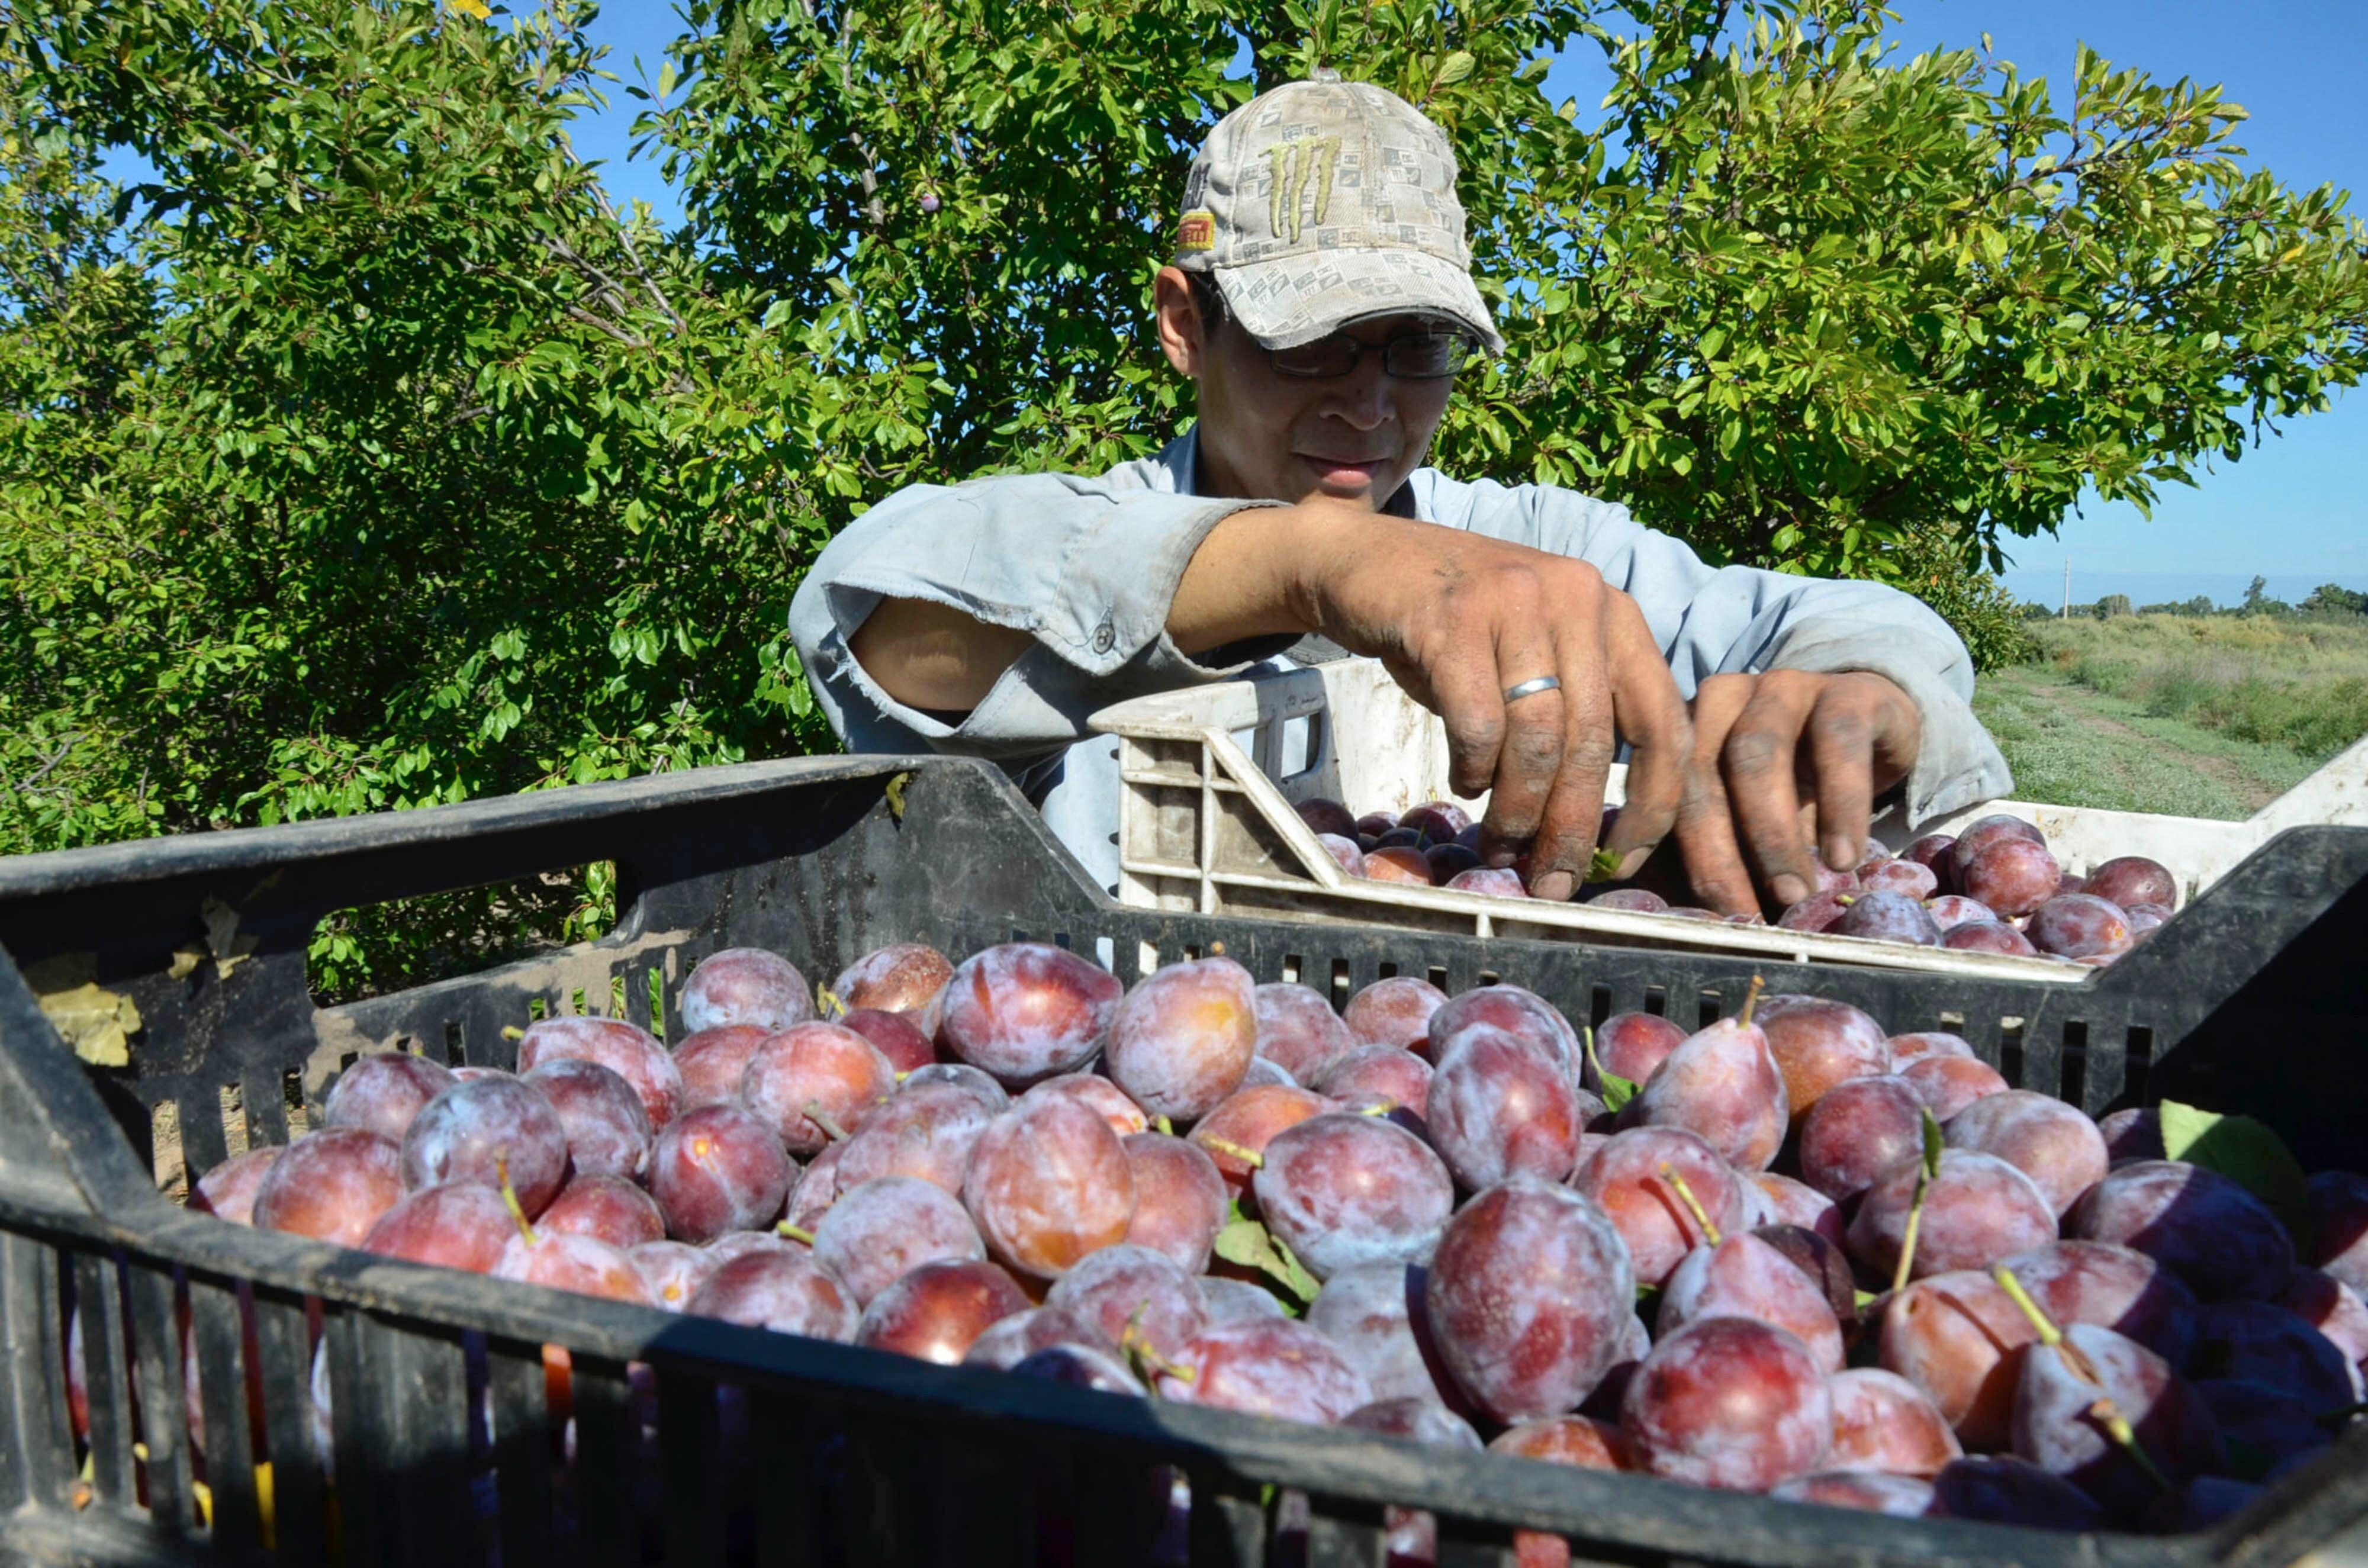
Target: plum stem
point(1900, 1275)
point(511, 1032)
point(1751, 999)
point(827, 1002)
point(1145, 1357)
point(1226, 1146)
point(1382, 1107)
point(795, 1232)
point(821, 1118)
point(2049, 1335)
point(510, 1197)
point(1686, 1195)
point(1164, 1127)
point(2108, 1414)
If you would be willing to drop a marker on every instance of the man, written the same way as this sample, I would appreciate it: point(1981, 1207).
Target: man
point(1321, 299)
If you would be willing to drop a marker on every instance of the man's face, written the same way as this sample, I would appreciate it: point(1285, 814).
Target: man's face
point(1267, 437)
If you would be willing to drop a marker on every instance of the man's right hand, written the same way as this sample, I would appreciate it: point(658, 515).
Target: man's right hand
point(1457, 618)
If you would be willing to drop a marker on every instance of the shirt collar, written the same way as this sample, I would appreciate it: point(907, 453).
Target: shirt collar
point(1178, 465)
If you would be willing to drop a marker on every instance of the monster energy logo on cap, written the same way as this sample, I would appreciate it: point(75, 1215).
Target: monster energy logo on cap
point(1325, 202)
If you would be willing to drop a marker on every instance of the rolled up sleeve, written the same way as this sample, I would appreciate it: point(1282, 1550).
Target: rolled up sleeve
point(1088, 571)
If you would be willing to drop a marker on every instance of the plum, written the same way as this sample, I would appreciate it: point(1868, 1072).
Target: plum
point(937, 1312)
point(607, 1129)
point(2058, 1427)
point(924, 1130)
point(1872, 1491)
point(964, 1077)
point(1947, 1085)
point(1370, 1312)
point(1979, 1209)
point(1237, 1300)
point(1728, 1402)
point(1438, 821)
point(1236, 1135)
point(584, 1266)
point(673, 1271)
point(460, 1225)
point(1298, 1030)
point(1323, 816)
point(2013, 876)
point(898, 1038)
point(1631, 1045)
point(1520, 1012)
point(1818, 911)
point(881, 1230)
point(1906, 878)
point(711, 1062)
point(779, 1289)
point(1497, 882)
point(1009, 1341)
point(1817, 1043)
point(1099, 1095)
point(815, 1188)
point(2132, 878)
point(1049, 1183)
point(1528, 1297)
point(1909, 1048)
point(630, 1052)
point(1180, 1200)
point(1132, 1295)
point(2079, 926)
point(2330, 1306)
point(903, 977)
point(1449, 861)
point(718, 1168)
point(1081, 1365)
point(2338, 1205)
point(1952, 910)
point(383, 1092)
point(1396, 1011)
point(2006, 1490)
point(2133, 1133)
point(1373, 1073)
point(1886, 917)
point(1398, 863)
point(1980, 836)
point(1277, 1368)
point(746, 985)
point(815, 1082)
point(1184, 1036)
point(1268, 1074)
point(474, 1132)
point(1959, 1339)
point(1858, 1133)
point(1725, 1086)
point(1343, 1189)
point(1795, 1203)
point(607, 1207)
point(1025, 1011)
point(228, 1191)
point(1988, 937)
point(1633, 1178)
point(2261, 1342)
point(1884, 1422)
point(1742, 1276)
point(2274, 1423)
point(1934, 853)
point(2053, 1144)
point(1633, 901)
point(2200, 1224)
point(1499, 1106)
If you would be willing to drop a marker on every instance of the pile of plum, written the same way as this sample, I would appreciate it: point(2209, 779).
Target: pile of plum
point(1787, 1253)
point(1996, 888)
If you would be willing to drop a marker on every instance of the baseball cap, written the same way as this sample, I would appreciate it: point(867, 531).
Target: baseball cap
point(1325, 202)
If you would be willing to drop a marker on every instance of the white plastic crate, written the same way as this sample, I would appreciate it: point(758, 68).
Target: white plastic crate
point(1209, 778)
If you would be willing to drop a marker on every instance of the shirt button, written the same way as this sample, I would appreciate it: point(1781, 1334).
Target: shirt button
point(1105, 637)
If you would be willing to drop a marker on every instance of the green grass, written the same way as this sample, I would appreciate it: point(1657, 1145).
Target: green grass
point(2187, 716)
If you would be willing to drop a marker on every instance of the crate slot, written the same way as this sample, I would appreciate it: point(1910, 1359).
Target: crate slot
point(2137, 1064)
point(2072, 1072)
point(1709, 1007)
point(2009, 1061)
point(1291, 965)
point(1656, 1001)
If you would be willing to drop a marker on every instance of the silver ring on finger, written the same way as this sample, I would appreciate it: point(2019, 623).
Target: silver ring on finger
point(1531, 686)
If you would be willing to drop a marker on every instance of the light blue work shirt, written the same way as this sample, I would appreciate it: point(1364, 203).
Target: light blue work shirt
point(1087, 566)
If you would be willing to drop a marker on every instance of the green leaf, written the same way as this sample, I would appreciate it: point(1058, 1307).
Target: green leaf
point(1246, 1242)
point(1935, 1145)
point(2242, 1150)
point(1617, 1091)
point(1453, 69)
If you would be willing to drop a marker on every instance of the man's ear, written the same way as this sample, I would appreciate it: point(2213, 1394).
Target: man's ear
point(1181, 331)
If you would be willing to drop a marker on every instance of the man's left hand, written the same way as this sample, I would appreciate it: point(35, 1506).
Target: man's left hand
point(1772, 750)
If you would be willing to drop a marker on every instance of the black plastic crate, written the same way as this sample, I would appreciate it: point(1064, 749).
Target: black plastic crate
point(818, 1453)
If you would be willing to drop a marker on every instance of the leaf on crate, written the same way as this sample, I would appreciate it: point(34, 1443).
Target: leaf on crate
point(2242, 1150)
point(894, 791)
point(1247, 1242)
point(97, 1023)
point(229, 948)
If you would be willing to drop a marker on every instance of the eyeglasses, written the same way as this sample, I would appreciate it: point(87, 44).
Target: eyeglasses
point(1416, 357)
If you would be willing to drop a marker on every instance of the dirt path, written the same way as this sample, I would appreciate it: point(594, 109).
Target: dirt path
point(2220, 769)
point(2077, 747)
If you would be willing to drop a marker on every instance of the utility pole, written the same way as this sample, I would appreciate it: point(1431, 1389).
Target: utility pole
point(2067, 615)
